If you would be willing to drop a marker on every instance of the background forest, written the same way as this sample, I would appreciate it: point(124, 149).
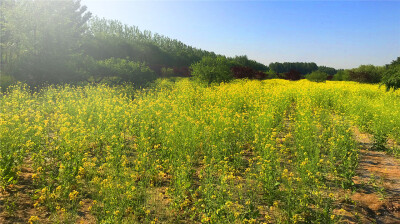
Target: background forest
point(51, 42)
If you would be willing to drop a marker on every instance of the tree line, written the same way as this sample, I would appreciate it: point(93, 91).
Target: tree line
point(50, 42)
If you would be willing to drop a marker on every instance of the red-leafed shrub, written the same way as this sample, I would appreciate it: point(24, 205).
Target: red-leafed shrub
point(291, 75)
point(181, 71)
point(240, 72)
point(260, 75)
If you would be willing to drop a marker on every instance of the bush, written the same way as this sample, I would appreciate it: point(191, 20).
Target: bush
point(259, 75)
point(212, 69)
point(292, 75)
point(117, 70)
point(317, 76)
point(271, 75)
point(342, 75)
point(240, 72)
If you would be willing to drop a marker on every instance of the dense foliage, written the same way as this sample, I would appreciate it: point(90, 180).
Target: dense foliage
point(301, 67)
point(327, 70)
point(243, 61)
point(40, 40)
point(391, 76)
point(122, 70)
point(240, 72)
point(111, 38)
point(317, 76)
point(342, 75)
point(212, 69)
point(366, 74)
point(292, 75)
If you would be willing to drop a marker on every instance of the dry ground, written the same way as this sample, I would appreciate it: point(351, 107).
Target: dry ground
point(376, 198)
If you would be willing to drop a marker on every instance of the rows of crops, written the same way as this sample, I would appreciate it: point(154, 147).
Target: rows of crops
point(248, 151)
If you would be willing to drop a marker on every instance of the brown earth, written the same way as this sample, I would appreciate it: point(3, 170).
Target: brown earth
point(16, 204)
point(377, 187)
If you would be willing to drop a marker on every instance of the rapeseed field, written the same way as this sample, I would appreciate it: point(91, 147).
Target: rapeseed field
point(248, 151)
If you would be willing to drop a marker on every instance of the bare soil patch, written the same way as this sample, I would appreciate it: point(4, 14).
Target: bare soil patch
point(377, 184)
point(16, 204)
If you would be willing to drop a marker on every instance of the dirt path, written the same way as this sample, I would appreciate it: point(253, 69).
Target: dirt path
point(377, 184)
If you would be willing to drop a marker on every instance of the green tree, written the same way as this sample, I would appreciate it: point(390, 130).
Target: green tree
point(317, 76)
point(111, 38)
point(366, 74)
point(42, 39)
point(391, 76)
point(327, 70)
point(342, 75)
point(212, 70)
point(302, 67)
point(243, 61)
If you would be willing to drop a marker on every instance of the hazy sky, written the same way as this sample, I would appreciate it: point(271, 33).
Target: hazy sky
point(341, 34)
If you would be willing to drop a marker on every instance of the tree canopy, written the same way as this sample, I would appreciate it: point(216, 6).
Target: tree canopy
point(41, 38)
point(212, 69)
point(301, 67)
point(391, 76)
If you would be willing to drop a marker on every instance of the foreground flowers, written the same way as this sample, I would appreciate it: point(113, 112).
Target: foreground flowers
point(248, 151)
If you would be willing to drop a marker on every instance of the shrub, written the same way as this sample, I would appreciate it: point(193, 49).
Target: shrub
point(317, 76)
point(124, 71)
point(260, 75)
point(212, 69)
point(271, 75)
point(342, 75)
point(292, 75)
point(241, 72)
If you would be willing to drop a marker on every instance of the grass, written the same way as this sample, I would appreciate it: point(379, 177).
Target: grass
point(245, 152)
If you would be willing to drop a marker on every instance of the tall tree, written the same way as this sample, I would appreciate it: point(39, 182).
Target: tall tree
point(327, 70)
point(391, 75)
point(42, 38)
